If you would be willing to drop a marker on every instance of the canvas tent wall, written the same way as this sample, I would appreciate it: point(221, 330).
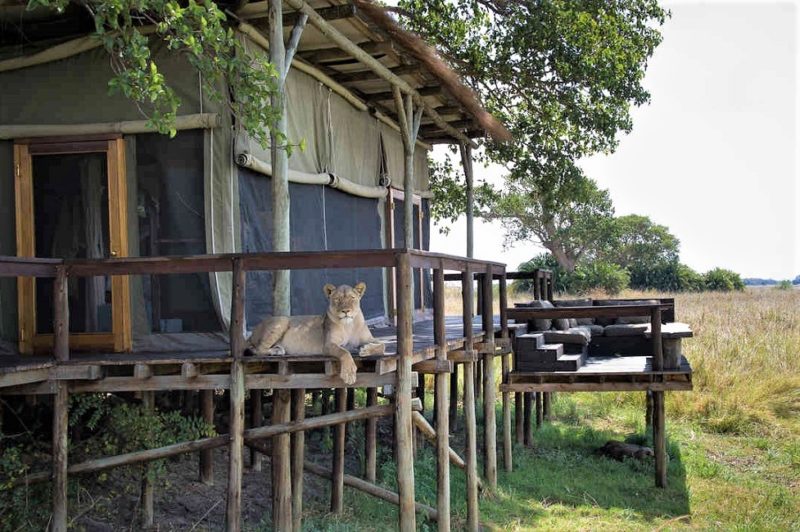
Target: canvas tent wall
point(201, 201)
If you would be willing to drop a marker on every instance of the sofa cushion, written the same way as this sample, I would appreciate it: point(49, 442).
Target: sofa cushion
point(576, 303)
point(596, 330)
point(561, 324)
point(539, 324)
point(635, 319)
point(625, 329)
point(574, 335)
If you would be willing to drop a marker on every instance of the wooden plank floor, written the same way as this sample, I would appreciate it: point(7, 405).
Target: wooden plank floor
point(16, 370)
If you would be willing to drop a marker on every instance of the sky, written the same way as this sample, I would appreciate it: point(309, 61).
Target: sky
point(715, 154)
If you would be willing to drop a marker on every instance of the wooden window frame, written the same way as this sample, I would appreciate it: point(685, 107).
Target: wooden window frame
point(120, 338)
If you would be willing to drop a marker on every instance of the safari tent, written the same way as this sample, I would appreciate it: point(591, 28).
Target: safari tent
point(84, 178)
point(135, 262)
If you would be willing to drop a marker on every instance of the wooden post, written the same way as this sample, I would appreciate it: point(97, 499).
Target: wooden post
point(281, 463)
point(539, 408)
point(660, 439)
point(371, 439)
point(234, 509)
point(256, 420)
point(454, 398)
point(546, 405)
point(471, 451)
point(655, 330)
point(403, 423)
point(147, 494)
point(207, 455)
point(466, 163)
point(528, 397)
point(298, 458)
point(281, 55)
point(60, 402)
point(659, 415)
point(506, 365)
point(442, 429)
point(519, 420)
point(489, 389)
point(337, 480)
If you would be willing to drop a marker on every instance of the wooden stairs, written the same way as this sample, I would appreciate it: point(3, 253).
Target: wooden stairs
point(535, 355)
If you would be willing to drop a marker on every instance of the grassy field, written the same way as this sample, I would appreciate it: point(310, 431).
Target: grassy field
point(734, 442)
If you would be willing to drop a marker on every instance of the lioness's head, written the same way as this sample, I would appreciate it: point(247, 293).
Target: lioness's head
point(345, 301)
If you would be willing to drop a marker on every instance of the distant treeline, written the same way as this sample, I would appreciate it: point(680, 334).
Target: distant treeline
point(757, 281)
point(666, 276)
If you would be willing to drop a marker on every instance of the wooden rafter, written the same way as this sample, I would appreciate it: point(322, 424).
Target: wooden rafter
point(383, 72)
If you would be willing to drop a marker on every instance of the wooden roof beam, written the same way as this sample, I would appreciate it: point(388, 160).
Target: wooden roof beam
point(459, 124)
point(369, 75)
point(256, 10)
point(349, 46)
point(385, 96)
point(337, 54)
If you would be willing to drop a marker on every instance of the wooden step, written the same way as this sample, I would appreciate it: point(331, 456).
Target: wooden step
point(528, 341)
point(570, 362)
point(544, 358)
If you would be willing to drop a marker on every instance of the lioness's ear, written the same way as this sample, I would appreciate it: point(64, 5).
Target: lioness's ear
point(328, 289)
point(360, 288)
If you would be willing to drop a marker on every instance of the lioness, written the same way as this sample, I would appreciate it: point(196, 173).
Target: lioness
point(342, 327)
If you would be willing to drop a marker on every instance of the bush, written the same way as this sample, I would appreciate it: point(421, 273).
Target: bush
point(606, 276)
point(587, 276)
point(722, 280)
point(784, 285)
point(689, 280)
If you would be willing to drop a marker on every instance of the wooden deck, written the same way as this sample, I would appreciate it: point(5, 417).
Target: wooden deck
point(599, 374)
point(208, 369)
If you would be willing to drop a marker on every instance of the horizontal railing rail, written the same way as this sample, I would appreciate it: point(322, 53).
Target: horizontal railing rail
point(294, 260)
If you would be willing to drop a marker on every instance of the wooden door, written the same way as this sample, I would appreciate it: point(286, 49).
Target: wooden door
point(44, 168)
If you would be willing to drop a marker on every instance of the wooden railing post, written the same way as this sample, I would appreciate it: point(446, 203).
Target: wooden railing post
point(442, 428)
point(506, 365)
point(403, 422)
point(659, 415)
point(234, 508)
point(337, 476)
point(298, 457)
point(471, 452)
point(371, 439)
point(256, 420)
point(489, 395)
point(60, 401)
point(207, 455)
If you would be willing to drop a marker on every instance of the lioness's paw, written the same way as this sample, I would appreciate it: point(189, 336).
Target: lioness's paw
point(374, 348)
point(276, 350)
point(348, 371)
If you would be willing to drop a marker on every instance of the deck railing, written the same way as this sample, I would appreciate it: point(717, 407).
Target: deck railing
point(403, 261)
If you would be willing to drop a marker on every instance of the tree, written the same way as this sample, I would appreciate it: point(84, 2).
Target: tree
point(562, 75)
point(572, 218)
point(638, 242)
point(199, 31)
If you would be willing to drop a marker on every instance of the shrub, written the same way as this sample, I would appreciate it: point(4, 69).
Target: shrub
point(689, 280)
point(606, 276)
point(723, 280)
point(784, 285)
